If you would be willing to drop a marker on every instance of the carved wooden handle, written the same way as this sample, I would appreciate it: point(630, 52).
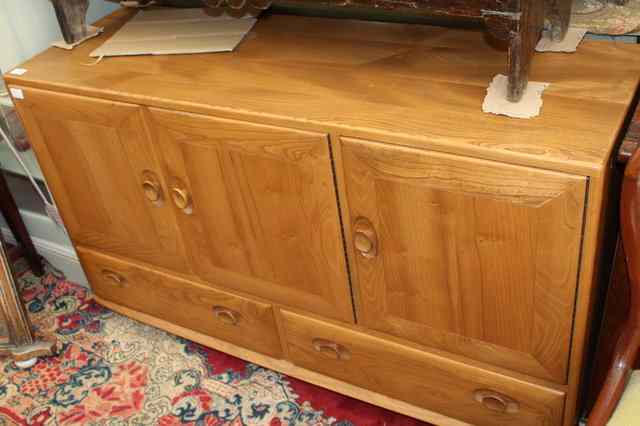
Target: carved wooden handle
point(114, 277)
point(181, 198)
point(226, 315)
point(331, 349)
point(152, 191)
point(151, 187)
point(365, 239)
point(495, 401)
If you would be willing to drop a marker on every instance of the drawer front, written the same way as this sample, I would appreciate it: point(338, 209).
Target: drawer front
point(426, 380)
point(229, 317)
point(469, 256)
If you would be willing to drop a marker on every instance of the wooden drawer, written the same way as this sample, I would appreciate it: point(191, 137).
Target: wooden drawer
point(430, 381)
point(229, 317)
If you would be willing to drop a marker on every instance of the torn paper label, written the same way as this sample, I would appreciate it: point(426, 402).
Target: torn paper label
point(496, 100)
point(16, 93)
point(18, 71)
point(567, 45)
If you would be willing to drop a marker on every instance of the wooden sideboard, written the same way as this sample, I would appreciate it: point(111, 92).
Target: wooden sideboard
point(329, 201)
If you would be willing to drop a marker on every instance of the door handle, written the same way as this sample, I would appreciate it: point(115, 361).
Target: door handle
point(495, 401)
point(226, 315)
point(113, 277)
point(181, 197)
point(152, 188)
point(365, 239)
point(331, 349)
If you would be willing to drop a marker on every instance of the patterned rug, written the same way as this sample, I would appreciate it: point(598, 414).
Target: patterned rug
point(114, 371)
point(606, 17)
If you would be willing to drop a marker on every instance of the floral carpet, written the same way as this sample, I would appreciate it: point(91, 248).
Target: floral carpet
point(112, 371)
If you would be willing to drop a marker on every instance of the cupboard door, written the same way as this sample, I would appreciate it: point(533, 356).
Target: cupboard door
point(103, 175)
point(465, 255)
point(258, 209)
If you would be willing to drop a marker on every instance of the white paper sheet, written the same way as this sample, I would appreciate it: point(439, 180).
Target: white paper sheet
point(176, 31)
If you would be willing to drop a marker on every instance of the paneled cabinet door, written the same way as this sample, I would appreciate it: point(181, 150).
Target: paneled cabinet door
point(258, 209)
point(101, 168)
point(469, 256)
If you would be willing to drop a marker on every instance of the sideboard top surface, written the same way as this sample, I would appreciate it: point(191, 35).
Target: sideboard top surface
point(408, 84)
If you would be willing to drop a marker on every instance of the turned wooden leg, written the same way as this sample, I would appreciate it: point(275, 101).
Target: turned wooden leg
point(71, 16)
point(558, 14)
point(522, 46)
point(20, 343)
point(521, 30)
point(11, 214)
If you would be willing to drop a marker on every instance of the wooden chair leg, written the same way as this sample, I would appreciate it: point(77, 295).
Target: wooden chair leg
point(558, 13)
point(11, 214)
point(521, 31)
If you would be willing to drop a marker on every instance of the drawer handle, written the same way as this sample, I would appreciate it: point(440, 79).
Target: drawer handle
point(331, 349)
point(227, 316)
point(151, 187)
point(181, 199)
point(114, 277)
point(495, 401)
point(365, 239)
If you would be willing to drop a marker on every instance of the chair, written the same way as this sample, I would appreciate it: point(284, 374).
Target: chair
point(618, 401)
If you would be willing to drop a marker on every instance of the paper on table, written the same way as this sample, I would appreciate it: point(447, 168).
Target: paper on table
point(176, 31)
point(496, 100)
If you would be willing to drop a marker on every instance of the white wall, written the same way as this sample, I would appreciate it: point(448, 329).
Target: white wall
point(28, 26)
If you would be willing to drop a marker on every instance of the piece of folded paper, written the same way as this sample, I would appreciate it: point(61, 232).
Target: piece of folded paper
point(176, 31)
point(496, 100)
point(91, 33)
point(568, 44)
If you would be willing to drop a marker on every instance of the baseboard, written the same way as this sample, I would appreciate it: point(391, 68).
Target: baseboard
point(61, 257)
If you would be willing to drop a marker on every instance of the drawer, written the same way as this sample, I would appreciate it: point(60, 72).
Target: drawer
point(426, 380)
point(226, 316)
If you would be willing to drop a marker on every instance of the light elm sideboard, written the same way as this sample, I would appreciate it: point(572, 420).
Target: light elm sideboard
point(329, 201)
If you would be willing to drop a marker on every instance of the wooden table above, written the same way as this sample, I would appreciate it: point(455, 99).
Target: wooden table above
point(517, 23)
point(365, 78)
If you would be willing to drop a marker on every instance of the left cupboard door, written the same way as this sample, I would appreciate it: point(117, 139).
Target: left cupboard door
point(100, 165)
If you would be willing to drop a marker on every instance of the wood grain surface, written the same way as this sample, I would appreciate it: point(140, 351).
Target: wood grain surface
point(398, 83)
point(474, 257)
point(419, 378)
point(262, 215)
point(213, 312)
point(96, 155)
